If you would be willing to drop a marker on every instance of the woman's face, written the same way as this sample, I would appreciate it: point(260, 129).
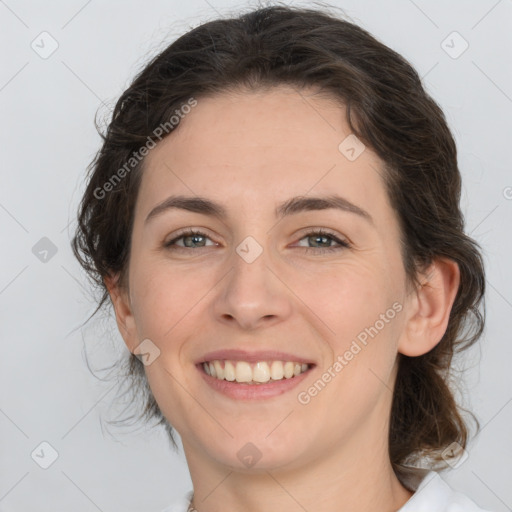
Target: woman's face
point(259, 281)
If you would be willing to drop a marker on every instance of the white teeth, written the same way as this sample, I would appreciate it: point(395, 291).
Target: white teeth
point(288, 370)
point(229, 371)
point(260, 372)
point(219, 371)
point(243, 372)
point(276, 370)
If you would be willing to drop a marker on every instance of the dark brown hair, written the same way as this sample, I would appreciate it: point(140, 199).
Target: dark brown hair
point(388, 110)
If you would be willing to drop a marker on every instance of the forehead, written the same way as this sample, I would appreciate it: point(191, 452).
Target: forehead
point(261, 146)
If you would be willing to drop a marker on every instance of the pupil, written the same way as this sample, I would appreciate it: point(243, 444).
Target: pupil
point(194, 238)
point(316, 238)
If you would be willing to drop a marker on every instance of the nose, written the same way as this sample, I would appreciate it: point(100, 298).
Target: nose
point(253, 294)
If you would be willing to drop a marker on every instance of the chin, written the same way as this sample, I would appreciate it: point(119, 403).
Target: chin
point(247, 454)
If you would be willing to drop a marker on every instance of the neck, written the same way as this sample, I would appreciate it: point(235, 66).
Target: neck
point(356, 476)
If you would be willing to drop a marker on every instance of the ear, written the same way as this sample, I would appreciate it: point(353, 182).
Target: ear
point(123, 311)
point(429, 309)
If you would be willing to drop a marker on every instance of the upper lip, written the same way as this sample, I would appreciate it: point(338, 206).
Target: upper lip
point(252, 357)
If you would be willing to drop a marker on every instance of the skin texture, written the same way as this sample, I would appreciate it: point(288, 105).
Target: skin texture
point(250, 151)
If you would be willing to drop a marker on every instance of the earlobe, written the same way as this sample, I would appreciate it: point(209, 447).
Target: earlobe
point(430, 310)
point(123, 312)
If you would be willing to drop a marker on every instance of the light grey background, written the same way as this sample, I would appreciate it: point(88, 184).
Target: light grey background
point(47, 140)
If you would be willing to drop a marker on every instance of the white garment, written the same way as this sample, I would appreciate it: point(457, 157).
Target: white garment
point(432, 494)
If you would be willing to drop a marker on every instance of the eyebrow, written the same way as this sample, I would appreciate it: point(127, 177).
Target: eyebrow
point(291, 206)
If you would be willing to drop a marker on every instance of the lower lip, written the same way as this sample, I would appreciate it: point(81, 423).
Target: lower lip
point(241, 391)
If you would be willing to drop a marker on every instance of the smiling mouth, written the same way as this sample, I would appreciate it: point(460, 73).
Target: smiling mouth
point(260, 372)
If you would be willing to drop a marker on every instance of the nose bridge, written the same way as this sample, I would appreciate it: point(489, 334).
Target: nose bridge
point(252, 293)
point(250, 261)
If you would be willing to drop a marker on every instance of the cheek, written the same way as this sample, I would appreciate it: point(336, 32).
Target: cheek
point(346, 297)
point(163, 298)
point(362, 314)
point(352, 308)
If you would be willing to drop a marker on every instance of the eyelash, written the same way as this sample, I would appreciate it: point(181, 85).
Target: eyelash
point(318, 250)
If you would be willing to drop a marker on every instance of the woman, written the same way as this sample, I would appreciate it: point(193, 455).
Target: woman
point(274, 215)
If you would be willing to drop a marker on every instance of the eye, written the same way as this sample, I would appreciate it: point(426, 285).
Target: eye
point(322, 236)
point(189, 237)
point(197, 239)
